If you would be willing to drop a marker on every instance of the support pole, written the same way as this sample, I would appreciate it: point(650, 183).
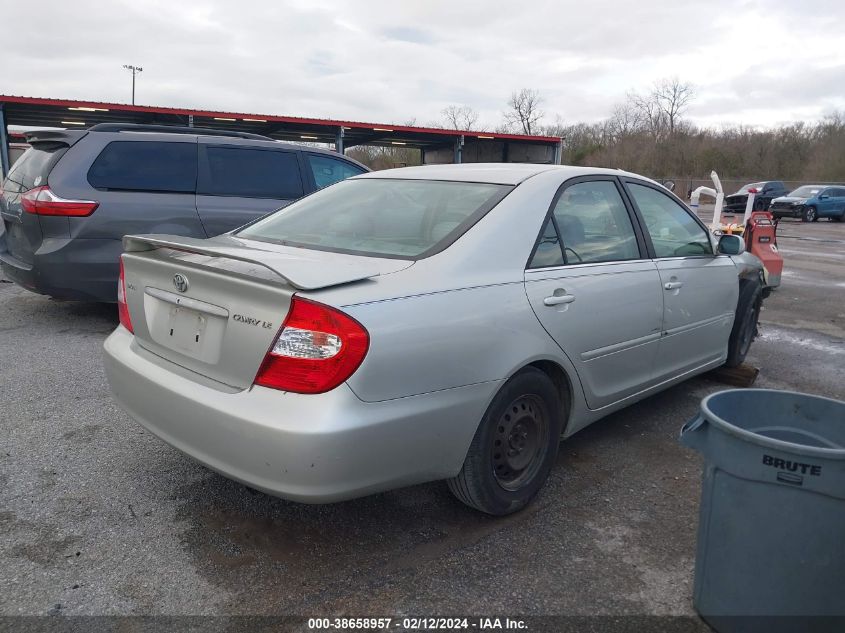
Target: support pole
point(558, 152)
point(749, 207)
point(190, 120)
point(459, 149)
point(4, 144)
point(338, 141)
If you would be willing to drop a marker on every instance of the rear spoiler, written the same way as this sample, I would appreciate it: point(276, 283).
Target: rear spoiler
point(68, 137)
point(301, 272)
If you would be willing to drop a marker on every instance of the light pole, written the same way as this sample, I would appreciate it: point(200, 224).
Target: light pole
point(134, 70)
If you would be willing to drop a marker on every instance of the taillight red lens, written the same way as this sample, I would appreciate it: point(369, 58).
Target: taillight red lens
point(42, 201)
point(317, 349)
point(122, 308)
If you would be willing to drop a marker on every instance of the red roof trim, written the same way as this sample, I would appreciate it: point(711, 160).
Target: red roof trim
point(66, 103)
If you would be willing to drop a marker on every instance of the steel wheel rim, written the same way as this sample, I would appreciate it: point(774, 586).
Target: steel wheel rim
point(520, 440)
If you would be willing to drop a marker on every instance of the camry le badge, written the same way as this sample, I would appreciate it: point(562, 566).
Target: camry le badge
point(180, 282)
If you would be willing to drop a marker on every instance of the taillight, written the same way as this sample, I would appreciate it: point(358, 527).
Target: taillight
point(42, 201)
point(122, 309)
point(317, 349)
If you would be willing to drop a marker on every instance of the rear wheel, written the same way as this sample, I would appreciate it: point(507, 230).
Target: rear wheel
point(810, 214)
point(515, 446)
point(745, 323)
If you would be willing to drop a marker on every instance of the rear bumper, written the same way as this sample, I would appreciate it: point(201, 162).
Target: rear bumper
point(309, 448)
point(66, 268)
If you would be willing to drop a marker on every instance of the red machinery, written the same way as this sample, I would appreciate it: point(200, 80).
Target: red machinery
point(758, 229)
point(761, 240)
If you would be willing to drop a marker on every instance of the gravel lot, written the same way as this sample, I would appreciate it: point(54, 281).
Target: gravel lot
point(97, 516)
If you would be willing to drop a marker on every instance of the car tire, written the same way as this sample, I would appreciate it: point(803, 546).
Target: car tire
point(810, 214)
point(514, 447)
point(838, 218)
point(745, 323)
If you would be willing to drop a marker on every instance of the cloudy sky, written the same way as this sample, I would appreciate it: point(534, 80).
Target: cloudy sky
point(753, 62)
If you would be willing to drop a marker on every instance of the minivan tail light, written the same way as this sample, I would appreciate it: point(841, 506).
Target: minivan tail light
point(42, 201)
point(122, 308)
point(317, 348)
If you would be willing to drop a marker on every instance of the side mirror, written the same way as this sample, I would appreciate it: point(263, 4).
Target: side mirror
point(731, 245)
point(824, 196)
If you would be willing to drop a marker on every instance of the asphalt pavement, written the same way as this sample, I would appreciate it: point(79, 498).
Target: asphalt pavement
point(99, 517)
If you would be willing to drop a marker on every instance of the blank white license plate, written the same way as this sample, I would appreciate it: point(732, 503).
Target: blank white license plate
point(186, 330)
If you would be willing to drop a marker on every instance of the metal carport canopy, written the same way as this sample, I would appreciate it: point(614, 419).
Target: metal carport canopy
point(42, 112)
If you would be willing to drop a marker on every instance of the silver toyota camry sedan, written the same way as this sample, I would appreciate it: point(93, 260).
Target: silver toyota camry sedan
point(442, 322)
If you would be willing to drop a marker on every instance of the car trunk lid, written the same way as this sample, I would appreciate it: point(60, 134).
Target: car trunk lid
point(215, 306)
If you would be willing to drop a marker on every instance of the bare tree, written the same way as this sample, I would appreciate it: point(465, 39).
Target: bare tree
point(649, 113)
point(557, 128)
point(461, 118)
point(663, 106)
point(672, 97)
point(625, 120)
point(524, 110)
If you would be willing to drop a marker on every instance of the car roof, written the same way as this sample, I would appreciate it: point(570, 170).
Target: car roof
point(494, 173)
point(72, 136)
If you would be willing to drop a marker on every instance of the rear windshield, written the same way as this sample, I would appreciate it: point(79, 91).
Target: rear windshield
point(405, 219)
point(31, 169)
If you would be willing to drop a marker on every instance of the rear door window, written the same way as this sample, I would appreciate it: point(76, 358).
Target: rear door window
point(594, 224)
point(250, 173)
point(31, 169)
point(548, 252)
point(328, 170)
point(146, 166)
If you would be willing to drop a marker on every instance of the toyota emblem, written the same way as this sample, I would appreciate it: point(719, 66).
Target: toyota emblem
point(180, 282)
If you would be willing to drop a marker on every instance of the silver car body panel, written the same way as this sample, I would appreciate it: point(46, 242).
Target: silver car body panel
point(609, 346)
point(301, 268)
point(445, 331)
point(317, 448)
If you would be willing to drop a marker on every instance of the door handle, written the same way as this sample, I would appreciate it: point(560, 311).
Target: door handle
point(673, 285)
point(556, 300)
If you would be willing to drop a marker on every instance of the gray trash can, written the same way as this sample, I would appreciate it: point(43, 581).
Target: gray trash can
point(771, 533)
